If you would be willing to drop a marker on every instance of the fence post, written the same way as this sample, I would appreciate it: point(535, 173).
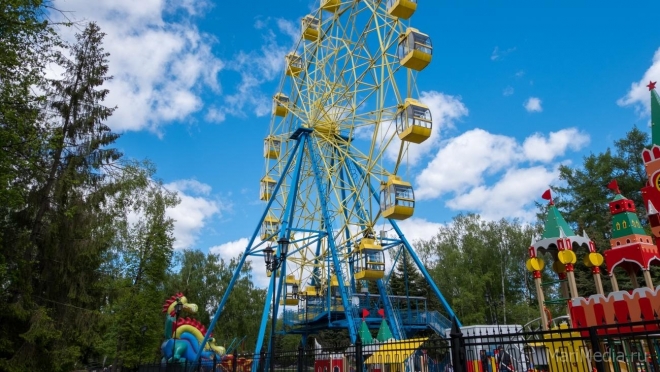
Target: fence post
point(234, 362)
point(598, 352)
point(262, 360)
point(359, 363)
point(300, 357)
point(457, 347)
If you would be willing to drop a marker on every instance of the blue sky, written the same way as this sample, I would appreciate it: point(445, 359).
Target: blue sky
point(516, 88)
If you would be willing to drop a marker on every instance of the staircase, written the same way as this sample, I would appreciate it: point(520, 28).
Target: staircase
point(397, 328)
point(437, 322)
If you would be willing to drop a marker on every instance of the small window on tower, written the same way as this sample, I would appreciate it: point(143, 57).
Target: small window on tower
point(625, 224)
point(628, 241)
point(617, 206)
point(618, 243)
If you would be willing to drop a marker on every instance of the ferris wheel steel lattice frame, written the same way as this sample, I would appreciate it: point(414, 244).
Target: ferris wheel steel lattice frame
point(331, 138)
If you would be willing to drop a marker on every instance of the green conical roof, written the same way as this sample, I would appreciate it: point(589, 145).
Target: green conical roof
point(655, 117)
point(384, 332)
point(365, 334)
point(554, 221)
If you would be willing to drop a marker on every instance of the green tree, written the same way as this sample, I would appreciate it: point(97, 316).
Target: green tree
point(470, 256)
point(64, 228)
point(138, 264)
point(25, 48)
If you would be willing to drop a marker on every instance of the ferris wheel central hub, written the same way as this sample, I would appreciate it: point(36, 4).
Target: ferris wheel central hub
point(327, 128)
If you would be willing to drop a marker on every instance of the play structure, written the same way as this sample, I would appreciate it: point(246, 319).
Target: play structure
point(183, 336)
point(632, 252)
point(345, 118)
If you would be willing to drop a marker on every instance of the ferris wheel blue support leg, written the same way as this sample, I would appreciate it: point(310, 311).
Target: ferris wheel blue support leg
point(283, 233)
point(413, 255)
point(322, 191)
point(237, 271)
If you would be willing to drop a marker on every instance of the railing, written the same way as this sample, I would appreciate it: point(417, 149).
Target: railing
point(437, 322)
point(604, 348)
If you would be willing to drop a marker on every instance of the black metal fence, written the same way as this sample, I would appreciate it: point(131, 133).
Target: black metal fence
point(606, 348)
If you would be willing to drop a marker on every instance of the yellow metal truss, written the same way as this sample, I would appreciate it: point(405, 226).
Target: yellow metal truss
point(350, 86)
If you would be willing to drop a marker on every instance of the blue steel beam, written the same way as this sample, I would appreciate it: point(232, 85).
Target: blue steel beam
point(284, 233)
point(331, 242)
point(285, 223)
point(347, 233)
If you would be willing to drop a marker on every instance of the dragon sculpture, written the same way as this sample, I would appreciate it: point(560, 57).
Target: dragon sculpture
point(183, 336)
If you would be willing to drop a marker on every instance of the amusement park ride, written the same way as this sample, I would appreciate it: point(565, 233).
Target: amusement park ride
point(344, 119)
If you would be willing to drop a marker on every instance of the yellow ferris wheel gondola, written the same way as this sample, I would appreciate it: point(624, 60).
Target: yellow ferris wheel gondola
point(330, 5)
point(269, 228)
point(397, 199)
point(413, 121)
point(415, 49)
point(266, 189)
point(272, 147)
point(280, 102)
point(293, 64)
point(291, 287)
point(370, 260)
point(401, 8)
point(311, 27)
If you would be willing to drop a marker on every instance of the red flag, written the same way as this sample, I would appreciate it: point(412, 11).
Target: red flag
point(381, 312)
point(614, 186)
point(365, 313)
point(547, 195)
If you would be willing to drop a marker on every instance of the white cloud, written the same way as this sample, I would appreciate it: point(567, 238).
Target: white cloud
point(464, 160)
point(539, 148)
point(533, 104)
point(509, 196)
point(638, 94)
point(507, 91)
point(231, 249)
point(160, 67)
point(193, 211)
point(445, 111)
point(289, 28)
point(485, 172)
point(415, 229)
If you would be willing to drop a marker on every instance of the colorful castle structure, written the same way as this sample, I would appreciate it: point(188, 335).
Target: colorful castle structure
point(631, 250)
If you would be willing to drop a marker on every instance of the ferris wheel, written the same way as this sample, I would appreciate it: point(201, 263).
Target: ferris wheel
point(345, 114)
